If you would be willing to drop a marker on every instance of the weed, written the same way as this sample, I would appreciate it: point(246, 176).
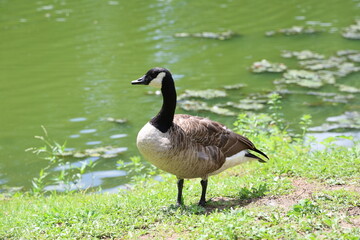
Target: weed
point(138, 169)
point(253, 192)
point(53, 153)
point(304, 207)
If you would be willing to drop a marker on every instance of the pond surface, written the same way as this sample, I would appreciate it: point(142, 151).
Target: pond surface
point(67, 65)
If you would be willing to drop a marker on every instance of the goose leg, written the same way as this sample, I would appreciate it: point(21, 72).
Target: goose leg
point(180, 185)
point(202, 201)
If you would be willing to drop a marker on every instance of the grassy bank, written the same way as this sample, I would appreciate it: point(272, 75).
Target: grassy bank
point(299, 194)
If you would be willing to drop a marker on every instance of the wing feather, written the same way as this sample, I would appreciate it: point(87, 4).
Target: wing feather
point(211, 133)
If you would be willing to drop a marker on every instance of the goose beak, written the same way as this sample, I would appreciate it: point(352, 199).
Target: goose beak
point(139, 81)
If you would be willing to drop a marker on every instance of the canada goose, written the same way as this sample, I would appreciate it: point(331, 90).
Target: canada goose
point(188, 146)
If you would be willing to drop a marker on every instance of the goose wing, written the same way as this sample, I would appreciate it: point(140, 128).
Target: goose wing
point(211, 133)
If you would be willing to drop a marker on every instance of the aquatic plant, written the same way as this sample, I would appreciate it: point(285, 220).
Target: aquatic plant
point(190, 105)
point(267, 66)
point(53, 153)
point(235, 86)
point(211, 35)
point(246, 104)
point(348, 120)
point(294, 30)
point(352, 31)
point(306, 78)
point(104, 152)
point(205, 94)
point(302, 55)
point(137, 169)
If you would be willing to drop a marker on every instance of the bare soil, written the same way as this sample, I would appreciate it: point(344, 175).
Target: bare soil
point(303, 189)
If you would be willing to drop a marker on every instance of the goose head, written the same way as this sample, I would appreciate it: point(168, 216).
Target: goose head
point(154, 77)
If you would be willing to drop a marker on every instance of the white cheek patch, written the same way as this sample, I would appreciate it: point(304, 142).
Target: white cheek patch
point(157, 82)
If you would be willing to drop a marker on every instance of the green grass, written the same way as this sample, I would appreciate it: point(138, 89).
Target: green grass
point(298, 194)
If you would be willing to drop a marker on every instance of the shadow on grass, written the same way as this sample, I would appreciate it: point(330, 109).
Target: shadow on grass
point(244, 198)
point(225, 203)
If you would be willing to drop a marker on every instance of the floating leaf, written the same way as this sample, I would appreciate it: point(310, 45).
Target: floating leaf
point(348, 120)
point(206, 94)
point(306, 78)
point(77, 155)
point(302, 55)
point(235, 86)
point(352, 31)
point(105, 152)
point(354, 57)
point(349, 89)
point(212, 35)
point(320, 64)
point(266, 66)
point(347, 52)
point(222, 111)
point(339, 98)
point(189, 105)
point(246, 106)
point(294, 30)
point(312, 93)
point(309, 83)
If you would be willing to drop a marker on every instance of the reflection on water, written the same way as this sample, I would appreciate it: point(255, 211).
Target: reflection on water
point(88, 180)
point(67, 65)
point(339, 139)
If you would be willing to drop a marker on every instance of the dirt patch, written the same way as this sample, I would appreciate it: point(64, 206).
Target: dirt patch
point(303, 189)
point(354, 218)
point(355, 221)
point(352, 188)
point(354, 211)
point(152, 236)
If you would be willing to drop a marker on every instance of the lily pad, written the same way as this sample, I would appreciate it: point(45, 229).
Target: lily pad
point(212, 35)
point(306, 78)
point(320, 64)
point(347, 52)
point(247, 104)
point(302, 55)
point(354, 57)
point(326, 96)
point(235, 86)
point(348, 120)
point(352, 31)
point(104, 152)
point(345, 69)
point(221, 111)
point(339, 98)
point(189, 105)
point(294, 30)
point(205, 94)
point(349, 89)
point(266, 66)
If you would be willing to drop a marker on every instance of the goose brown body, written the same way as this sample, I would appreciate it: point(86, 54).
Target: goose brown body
point(188, 146)
point(196, 146)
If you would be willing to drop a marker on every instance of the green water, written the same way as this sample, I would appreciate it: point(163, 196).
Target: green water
point(67, 65)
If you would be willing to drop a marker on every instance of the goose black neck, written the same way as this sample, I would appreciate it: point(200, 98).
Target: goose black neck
point(164, 119)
